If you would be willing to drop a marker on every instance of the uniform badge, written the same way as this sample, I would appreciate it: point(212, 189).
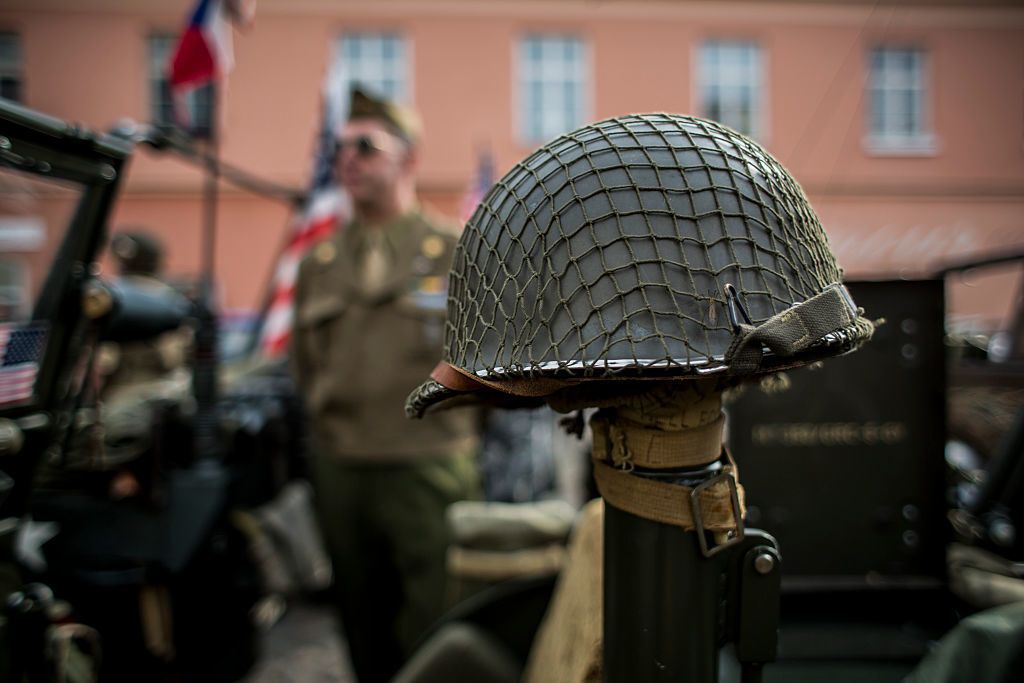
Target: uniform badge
point(432, 247)
point(324, 253)
point(431, 293)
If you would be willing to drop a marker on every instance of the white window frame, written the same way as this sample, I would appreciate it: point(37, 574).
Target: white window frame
point(11, 62)
point(159, 47)
point(890, 83)
point(373, 69)
point(551, 73)
point(728, 77)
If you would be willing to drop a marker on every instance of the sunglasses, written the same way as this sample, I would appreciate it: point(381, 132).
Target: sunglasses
point(363, 145)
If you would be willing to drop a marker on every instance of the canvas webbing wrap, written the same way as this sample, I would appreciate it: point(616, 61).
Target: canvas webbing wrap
point(668, 428)
point(670, 503)
point(627, 444)
point(794, 330)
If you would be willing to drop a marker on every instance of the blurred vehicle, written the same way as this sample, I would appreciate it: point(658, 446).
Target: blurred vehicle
point(985, 445)
point(156, 580)
point(986, 379)
point(127, 551)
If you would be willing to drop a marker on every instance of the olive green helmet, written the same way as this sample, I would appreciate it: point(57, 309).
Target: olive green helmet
point(650, 246)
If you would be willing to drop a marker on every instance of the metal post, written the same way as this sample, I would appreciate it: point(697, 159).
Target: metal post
point(669, 573)
point(661, 603)
point(204, 371)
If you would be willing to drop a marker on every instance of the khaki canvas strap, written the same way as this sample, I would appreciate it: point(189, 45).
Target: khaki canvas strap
point(794, 330)
point(628, 444)
point(671, 503)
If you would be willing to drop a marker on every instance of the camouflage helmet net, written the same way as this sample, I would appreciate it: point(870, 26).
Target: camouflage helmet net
point(621, 249)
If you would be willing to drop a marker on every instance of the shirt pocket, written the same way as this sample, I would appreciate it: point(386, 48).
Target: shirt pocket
point(425, 313)
point(316, 318)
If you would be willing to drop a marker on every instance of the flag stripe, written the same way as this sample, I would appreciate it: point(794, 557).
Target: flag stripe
point(203, 51)
point(193, 62)
point(325, 211)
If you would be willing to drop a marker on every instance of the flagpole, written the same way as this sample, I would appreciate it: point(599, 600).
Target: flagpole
point(204, 372)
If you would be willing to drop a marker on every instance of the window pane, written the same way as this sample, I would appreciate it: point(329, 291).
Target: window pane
point(10, 88)
point(729, 78)
point(896, 92)
point(533, 48)
point(376, 61)
point(10, 66)
point(10, 50)
point(34, 216)
point(198, 102)
point(551, 86)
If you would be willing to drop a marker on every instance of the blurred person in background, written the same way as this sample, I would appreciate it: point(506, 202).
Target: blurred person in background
point(139, 258)
point(137, 376)
point(369, 323)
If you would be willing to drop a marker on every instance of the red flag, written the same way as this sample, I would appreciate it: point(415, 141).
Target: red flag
point(204, 49)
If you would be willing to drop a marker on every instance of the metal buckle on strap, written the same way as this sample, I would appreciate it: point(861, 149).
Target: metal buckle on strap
point(698, 519)
point(844, 293)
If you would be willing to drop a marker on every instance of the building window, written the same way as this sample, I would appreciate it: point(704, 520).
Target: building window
point(898, 120)
point(10, 66)
point(13, 290)
point(198, 101)
point(729, 85)
point(377, 62)
point(552, 86)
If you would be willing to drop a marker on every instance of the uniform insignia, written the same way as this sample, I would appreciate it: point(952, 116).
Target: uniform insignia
point(432, 285)
point(421, 265)
point(432, 247)
point(324, 253)
point(431, 293)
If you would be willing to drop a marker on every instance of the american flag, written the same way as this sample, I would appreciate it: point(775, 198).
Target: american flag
point(21, 348)
point(325, 209)
point(482, 182)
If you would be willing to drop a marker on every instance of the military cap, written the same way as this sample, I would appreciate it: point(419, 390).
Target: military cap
point(403, 121)
point(137, 253)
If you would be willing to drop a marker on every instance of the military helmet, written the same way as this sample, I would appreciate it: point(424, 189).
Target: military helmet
point(651, 246)
point(137, 253)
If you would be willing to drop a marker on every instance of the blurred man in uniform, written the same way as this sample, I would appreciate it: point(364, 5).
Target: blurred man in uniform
point(139, 375)
point(369, 323)
point(138, 257)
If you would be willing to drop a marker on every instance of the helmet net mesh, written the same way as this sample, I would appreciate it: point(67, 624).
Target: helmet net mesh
point(607, 252)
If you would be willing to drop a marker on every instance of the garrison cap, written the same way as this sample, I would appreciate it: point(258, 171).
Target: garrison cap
point(403, 121)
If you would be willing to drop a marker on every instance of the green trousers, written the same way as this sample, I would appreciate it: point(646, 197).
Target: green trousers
point(384, 526)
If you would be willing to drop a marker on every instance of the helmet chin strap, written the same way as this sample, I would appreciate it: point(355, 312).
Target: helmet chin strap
point(794, 330)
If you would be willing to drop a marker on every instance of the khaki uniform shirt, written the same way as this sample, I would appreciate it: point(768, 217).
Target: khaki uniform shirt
point(359, 348)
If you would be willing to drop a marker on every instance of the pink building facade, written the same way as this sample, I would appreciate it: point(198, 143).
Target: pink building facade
point(904, 121)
